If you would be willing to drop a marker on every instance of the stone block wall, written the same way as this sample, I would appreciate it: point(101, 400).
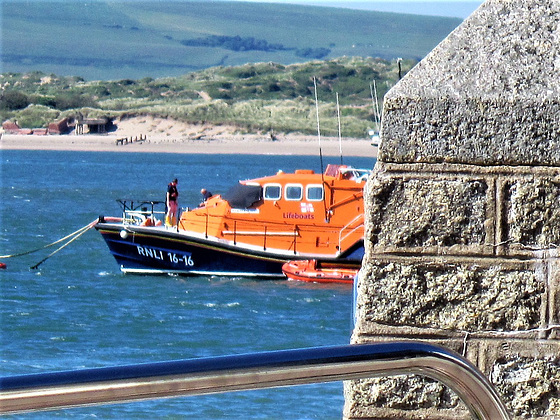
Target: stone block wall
point(466, 257)
point(463, 217)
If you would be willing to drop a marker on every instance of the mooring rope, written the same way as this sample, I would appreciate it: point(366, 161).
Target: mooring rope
point(84, 230)
point(72, 236)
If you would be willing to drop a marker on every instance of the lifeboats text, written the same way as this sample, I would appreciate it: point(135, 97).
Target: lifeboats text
point(290, 215)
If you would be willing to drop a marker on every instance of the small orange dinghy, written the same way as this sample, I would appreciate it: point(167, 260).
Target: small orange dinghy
point(310, 270)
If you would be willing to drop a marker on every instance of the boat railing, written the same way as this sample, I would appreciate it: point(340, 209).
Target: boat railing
point(136, 212)
point(49, 391)
point(350, 229)
point(263, 232)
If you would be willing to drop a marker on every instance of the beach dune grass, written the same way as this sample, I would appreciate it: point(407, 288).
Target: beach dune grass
point(253, 97)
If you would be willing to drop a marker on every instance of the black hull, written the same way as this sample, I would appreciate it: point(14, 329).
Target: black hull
point(159, 250)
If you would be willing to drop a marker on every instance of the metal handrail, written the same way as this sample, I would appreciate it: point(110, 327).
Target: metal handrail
point(342, 236)
point(47, 391)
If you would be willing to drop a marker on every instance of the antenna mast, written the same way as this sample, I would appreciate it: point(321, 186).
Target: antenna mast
point(318, 126)
point(375, 103)
point(375, 133)
point(327, 218)
point(339, 128)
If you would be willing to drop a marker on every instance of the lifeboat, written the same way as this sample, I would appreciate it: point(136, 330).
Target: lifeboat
point(251, 230)
point(311, 271)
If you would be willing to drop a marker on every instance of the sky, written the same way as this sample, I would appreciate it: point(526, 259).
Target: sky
point(450, 8)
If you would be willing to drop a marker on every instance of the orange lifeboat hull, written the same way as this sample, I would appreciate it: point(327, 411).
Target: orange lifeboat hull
point(309, 270)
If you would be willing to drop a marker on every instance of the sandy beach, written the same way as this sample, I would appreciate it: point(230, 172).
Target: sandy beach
point(149, 135)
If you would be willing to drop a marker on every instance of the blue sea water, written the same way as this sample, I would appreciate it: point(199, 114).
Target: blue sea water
point(77, 310)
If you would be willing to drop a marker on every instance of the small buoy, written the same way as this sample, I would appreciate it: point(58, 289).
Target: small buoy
point(124, 234)
point(2, 265)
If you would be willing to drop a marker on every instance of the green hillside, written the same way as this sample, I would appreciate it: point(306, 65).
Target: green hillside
point(128, 39)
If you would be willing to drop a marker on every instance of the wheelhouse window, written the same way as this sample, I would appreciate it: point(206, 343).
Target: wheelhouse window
point(314, 193)
point(272, 192)
point(294, 192)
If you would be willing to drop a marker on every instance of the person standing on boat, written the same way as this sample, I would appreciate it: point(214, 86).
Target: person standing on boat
point(171, 202)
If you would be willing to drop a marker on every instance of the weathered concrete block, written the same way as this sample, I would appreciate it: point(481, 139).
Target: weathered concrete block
point(407, 212)
point(454, 296)
point(488, 93)
point(388, 398)
point(459, 131)
point(533, 212)
point(529, 384)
